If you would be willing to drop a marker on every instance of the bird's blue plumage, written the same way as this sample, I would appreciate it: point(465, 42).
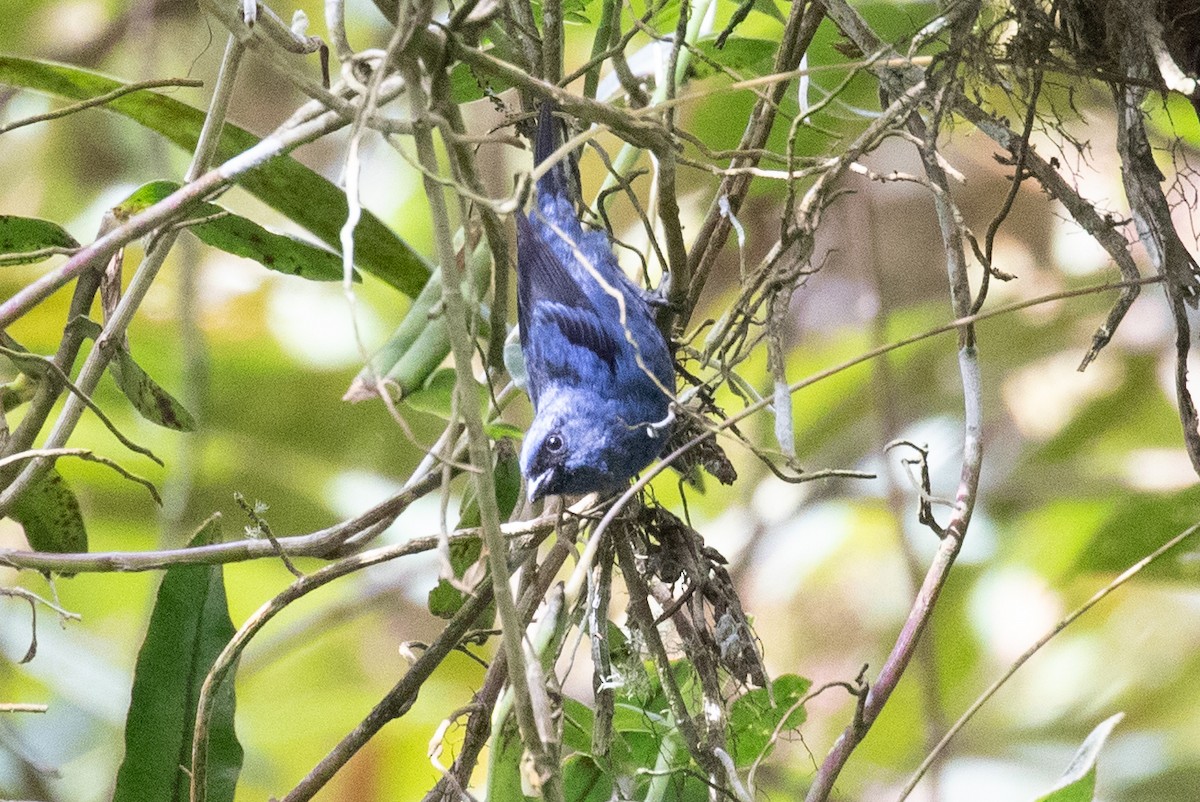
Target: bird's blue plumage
point(600, 373)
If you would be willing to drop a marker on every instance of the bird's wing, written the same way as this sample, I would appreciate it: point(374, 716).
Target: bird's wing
point(581, 328)
point(541, 277)
point(547, 295)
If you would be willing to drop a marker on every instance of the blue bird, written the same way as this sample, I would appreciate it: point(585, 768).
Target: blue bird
point(600, 372)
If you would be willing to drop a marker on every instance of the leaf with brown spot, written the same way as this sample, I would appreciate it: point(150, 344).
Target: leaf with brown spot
point(50, 514)
point(283, 183)
point(241, 236)
point(153, 402)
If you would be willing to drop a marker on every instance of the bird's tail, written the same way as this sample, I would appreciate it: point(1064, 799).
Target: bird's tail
point(555, 181)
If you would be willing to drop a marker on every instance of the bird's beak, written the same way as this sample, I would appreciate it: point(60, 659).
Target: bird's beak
point(537, 485)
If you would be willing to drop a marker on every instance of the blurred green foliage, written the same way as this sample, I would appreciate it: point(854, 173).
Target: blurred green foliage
point(1083, 473)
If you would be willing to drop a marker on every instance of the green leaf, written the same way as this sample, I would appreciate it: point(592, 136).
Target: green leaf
point(445, 600)
point(282, 183)
point(500, 430)
point(1078, 782)
point(506, 474)
point(769, 8)
point(750, 58)
point(507, 477)
point(577, 725)
point(504, 765)
point(437, 396)
point(144, 197)
point(421, 342)
point(753, 720)
point(279, 252)
point(50, 514)
point(585, 781)
point(150, 400)
point(1138, 525)
point(21, 237)
point(242, 237)
point(189, 627)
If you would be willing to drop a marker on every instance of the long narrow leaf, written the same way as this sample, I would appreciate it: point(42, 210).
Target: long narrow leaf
point(189, 627)
point(241, 236)
point(283, 183)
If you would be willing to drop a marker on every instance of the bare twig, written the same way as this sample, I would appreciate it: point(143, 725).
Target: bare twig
point(801, 26)
point(51, 366)
point(100, 100)
point(21, 707)
point(481, 457)
point(955, 529)
point(1128, 574)
point(323, 543)
point(84, 454)
point(394, 704)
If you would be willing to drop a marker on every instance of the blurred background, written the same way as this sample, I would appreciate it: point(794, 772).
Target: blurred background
point(1084, 473)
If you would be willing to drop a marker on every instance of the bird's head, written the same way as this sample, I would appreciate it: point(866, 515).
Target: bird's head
point(579, 444)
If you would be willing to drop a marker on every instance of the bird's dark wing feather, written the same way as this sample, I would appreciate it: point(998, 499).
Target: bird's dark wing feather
point(582, 328)
point(541, 277)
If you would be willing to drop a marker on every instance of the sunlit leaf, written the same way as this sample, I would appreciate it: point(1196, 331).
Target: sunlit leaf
point(1078, 783)
point(753, 720)
point(500, 430)
point(144, 197)
point(22, 237)
point(769, 8)
point(749, 58)
point(577, 725)
point(189, 627)
point(279, 252)
point(282, 183)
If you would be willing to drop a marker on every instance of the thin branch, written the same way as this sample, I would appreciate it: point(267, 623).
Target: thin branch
point(84, 454)
point(463, 350)
point(478, 726)
point(955, 530)
point(643, 133)
point(801, 27)
point(394, 704)
point(61, 376)
point(1128, 574)
point(643, 618)
point(20, 707)
point(322, 543)
point(100, 100)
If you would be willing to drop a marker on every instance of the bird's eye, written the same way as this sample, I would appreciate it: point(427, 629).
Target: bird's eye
point(554, 443)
